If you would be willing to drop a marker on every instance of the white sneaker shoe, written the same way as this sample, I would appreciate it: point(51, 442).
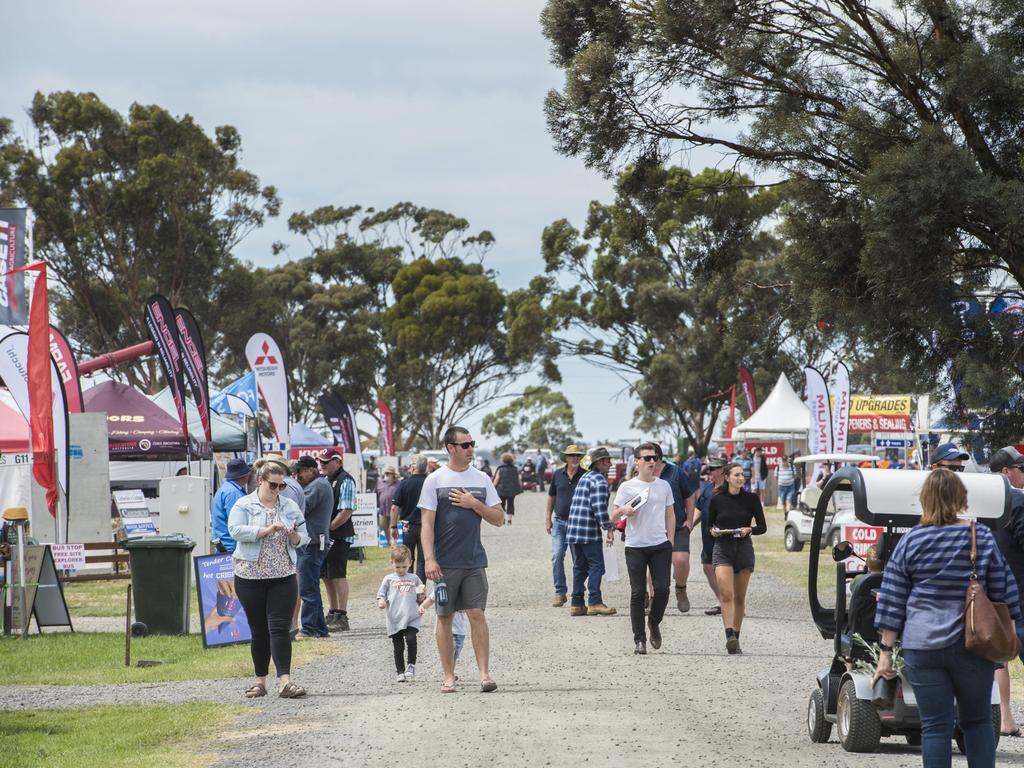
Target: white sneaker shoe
point(410, 673)
point(400, 678)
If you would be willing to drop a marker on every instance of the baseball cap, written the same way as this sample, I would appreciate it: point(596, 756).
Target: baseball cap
point(716, 462)
point(326, 454)
point(305, 462)
point(572, 450)
point(1005, 458)
point(948, 452)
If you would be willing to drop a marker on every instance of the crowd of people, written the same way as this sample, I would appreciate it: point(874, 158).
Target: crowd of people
point(294, 529)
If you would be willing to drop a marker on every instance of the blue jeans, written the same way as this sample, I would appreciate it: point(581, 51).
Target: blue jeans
point(457, 642)
point(307, 566)
point(938, 676)
point(558, 547)
point(587, 566)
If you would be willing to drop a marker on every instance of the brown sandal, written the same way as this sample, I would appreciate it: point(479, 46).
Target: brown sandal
point(445, 688)
point(488, 685)
point(292, 691)
point(256, 691)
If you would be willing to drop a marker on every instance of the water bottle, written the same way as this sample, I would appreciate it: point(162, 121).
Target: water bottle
point(401, 533)
point(382, 538)
point(441, 593)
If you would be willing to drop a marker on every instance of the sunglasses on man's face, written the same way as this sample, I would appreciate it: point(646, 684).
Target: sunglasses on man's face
point(652, 457)
point(466, 445)
point(274, 486)
point(952, 467)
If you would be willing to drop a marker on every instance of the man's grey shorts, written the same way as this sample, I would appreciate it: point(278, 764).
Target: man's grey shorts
point(682, 540)
point(467, 588)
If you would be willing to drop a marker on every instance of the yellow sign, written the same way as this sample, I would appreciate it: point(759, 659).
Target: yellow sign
point(880, 413)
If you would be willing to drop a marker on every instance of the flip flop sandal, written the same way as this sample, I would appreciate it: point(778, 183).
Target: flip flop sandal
point(716, 611)
point(1015, 733)
point(448, 688)
point(292, 691)
point(256, 691)
point(486, 686)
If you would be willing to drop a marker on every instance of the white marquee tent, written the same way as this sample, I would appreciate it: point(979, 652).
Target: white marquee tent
point(782, 414)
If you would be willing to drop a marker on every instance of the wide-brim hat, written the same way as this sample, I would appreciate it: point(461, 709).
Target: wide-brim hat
point(237, 468)
point(573, 450)
point(599, 453)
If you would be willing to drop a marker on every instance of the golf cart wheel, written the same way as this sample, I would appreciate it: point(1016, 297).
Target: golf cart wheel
point(791, 540)
point(818, 728)
point(958, 735)
point(857, 723)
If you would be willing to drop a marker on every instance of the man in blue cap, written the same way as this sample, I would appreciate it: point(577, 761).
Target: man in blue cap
point(233, 488)
point(948, 456)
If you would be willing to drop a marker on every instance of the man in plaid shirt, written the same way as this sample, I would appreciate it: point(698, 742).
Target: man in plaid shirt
point(588, 514)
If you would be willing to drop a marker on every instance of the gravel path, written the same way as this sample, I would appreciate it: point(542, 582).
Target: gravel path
point(570, 690)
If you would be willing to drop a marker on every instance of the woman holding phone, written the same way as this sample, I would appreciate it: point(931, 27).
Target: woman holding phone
point(646, 504)
point(268, 528)
point(734, 515)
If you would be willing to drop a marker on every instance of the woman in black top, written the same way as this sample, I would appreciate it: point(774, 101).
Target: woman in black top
point(730, 514)
point(506, 483)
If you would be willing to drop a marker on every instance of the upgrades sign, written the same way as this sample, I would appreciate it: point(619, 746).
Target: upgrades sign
point(880, 413)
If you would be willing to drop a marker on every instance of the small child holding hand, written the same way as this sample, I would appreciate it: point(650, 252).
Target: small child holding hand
point(460, 624)
point(399, 595)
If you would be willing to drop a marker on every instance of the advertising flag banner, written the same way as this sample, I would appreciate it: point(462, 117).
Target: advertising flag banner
point(386, 429)
point(163, 330)
point(337, 414)
point(749, 390)
point(14, 370)
point(819, 437)
point(13, 226)
point(840, 408)
point(193, 356)
point(239, 396)
point(65, 361)
point(729, 445)
point(880, 413)
point(267, 364)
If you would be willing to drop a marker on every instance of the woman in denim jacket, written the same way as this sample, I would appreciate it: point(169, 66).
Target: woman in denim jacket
point(268, 528)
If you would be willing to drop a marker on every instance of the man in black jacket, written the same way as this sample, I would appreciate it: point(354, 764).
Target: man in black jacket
point(405, 507)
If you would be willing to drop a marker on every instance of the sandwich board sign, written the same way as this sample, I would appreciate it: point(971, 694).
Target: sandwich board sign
point(44, 594)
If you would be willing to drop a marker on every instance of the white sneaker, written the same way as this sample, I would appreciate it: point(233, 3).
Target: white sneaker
point(410, 673)
point(400, 678)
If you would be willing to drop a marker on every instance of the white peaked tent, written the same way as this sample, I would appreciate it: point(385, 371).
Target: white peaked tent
point(782, 414)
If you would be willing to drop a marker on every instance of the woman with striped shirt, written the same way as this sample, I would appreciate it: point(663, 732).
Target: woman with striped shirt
point(921, 601)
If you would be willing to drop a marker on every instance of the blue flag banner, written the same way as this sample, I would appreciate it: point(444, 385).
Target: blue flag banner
point(237, 396)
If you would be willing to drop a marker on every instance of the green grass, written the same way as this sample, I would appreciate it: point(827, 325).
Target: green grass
point(107, 598)
point(168, 735)
point(86, 658)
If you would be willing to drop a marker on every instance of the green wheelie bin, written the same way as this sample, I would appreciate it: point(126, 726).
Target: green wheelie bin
point(161, 582)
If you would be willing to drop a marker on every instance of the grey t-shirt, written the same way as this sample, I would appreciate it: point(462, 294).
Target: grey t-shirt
point(400, 593)
point(457, 529)
point(319, 508)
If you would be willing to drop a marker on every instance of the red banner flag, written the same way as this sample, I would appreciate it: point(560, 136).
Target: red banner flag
point(386, 433)
point(749, 390)
point(729, 446)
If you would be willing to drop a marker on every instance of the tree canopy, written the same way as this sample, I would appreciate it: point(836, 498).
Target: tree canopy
point(538, 418)
point(131, 205)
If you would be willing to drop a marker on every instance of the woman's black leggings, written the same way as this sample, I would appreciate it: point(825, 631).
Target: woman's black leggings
point(508, 503)
point(401, 639)
point(269, 604)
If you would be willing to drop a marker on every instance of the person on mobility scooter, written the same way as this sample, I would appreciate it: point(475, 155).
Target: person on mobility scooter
point(887, 505)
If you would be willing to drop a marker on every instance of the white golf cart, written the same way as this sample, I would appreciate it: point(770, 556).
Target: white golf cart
point(842, 694)
point(800, 519)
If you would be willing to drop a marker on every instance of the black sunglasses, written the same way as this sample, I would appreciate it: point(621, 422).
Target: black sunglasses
point(951, 467)
point(466, 445)
point(275, 486)
point(652, 457)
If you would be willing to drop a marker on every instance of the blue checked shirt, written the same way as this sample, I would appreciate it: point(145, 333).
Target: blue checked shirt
point(588, 512)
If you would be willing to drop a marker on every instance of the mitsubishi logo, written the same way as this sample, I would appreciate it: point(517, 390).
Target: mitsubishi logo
point(266, 357)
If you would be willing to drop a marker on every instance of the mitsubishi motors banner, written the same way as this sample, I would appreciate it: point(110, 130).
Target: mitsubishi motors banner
point(163, 330)
point(193, 357)
point(387, 435)
point(880, 413)
point(13, 306)
point(267, 364)
point(840, 408)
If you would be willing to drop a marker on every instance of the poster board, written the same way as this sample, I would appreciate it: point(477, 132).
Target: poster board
point(364, 520)
point(134, 512)
point(862, 537)
point(44, 594)
point(221, 616)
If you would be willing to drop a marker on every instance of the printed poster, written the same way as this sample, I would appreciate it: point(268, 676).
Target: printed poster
point(222, 619)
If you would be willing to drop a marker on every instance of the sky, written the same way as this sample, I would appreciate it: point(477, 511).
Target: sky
point(440, 104)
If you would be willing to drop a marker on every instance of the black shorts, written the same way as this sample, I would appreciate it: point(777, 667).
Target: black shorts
point(738, 553)
point(336, 563)
point(681, 543)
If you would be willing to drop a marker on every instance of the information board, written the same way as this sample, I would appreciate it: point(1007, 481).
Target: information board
point(134, 511)
point(221, 616)
point(68, 557)
point(43, 592)
point(364, 520)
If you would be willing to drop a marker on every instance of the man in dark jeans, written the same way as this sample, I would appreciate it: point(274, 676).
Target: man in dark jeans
point(556, 522)
point(405, 507)
point(319, 507)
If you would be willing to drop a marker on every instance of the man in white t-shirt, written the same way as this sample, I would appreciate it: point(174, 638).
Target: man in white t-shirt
point(646, 503)
point(452, 503)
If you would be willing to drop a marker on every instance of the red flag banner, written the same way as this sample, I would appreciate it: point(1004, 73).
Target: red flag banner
point(749, 390)
point(386, 429)
point(729, 446)
point(65, 361)
point(193, 356)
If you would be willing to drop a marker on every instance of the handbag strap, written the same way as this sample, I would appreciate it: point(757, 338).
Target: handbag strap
point(974, 550)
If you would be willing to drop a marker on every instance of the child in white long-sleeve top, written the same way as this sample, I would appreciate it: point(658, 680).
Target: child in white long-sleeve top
point(460, 624)
point(399, 595)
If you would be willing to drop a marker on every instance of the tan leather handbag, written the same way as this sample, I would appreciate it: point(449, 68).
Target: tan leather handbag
point(988, 629)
